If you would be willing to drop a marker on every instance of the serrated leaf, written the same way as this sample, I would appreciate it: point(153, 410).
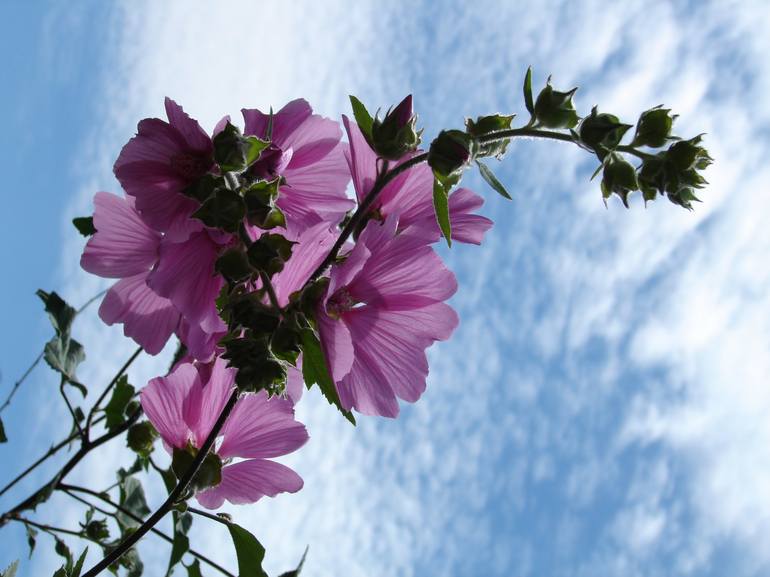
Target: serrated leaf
point(132, 499)
point(3, 438)
point(362, 116)
point(441, 209)
point(249, 551)
point(492, 181)
point(60, 313)
point(79, 564)
point(316, 371)
point(63, 355)
point(528, 101)
point(85, 225)
point(114, 411)
point(63, 551)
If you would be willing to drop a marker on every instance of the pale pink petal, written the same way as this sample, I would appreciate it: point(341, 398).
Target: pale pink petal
point(285, 121)
point(195, 137)
point(249, 481)
point(310, 249)
point(295, 385)
point(206, 399)
point(185, 275)
point(123, 245)
point(147, 318)
point(404, 271)
point(367, 391)
point(362, 160)
point(200, 344)
point(162, 207)
point(337, 345)
point(343, 274)
point(261, 428)
point(312, 141)
point(162, 401)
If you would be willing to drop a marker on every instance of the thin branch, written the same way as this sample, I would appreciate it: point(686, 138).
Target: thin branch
point(108, 388)
point(71, 409)
point(71, 489)
point(173, 496)
point(208, 515)
point(90, 301)
point(49, 528)
point(270, 290)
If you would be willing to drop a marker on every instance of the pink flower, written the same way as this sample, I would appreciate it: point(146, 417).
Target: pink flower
point(161, 161)
point(183, 407)
point(383, 307)
point(306, 151)
point(410, 195)
point(124, 247)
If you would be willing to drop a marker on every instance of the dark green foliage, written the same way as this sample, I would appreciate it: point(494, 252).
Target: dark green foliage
point(554, 109)
point(249, 551)
point(316, 371)
point(115, 410)
point(85, 225)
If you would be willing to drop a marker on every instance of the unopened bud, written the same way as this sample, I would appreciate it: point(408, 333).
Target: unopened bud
point(619, 177)
point(554, 109)
point(654, 127)
point(601, 132)
point(396, 134)
point(450, 152)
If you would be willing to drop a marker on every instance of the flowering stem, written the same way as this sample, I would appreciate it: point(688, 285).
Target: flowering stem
point(172, 498)
point(270, 290)
point(363, 209)
point(72, 489)
point(108, 388)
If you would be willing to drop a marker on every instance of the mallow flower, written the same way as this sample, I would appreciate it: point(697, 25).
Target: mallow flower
point(307, 152)
point(183, 407)
point(383, 307)
point(409, 196)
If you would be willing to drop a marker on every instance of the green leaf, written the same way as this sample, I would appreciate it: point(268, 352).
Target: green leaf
point(60, 313)
point(10, 571)
point(194, 569)
point(234, 152)
point(362, 116)
point(528, 101)
point(315, 371)
point(181, 544)
point(441, 208)
point(115, 408)
point(63, 551)
point(79, 564)
point(85, 225)
point(492, 181)
point(31, 538)
point(3, 438)
point(249, 551)
point(298, 570)
point(63, 355)
point(132, 499)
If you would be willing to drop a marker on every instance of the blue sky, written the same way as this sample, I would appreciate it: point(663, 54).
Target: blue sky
point(602, 409)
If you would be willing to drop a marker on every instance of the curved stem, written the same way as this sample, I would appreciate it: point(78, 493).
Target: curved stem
point(268, 285)
point(524, 131)
point(71, 489)
point(363, 209)
point(208, 515)
point(631, 150)
point(50, 528)
point(172, 498)
point(71, 410)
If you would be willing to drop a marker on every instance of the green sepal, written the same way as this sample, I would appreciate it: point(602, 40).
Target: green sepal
point(204, 187)
point(654, 127)
point(484, 125)
point(258, 368)
point(209, 473)
point(234, 152)
point(528, 102)
point(492, 180)
point(363, 118)
point(260, 200)
point(600, 133)
point(233, 264)
point(450, 152)
point(270, 252)
point(619, 177)
point(441, 210)
point(141, 438)
point(316, 371)
point(554, 109)
point(85, 225)
point(225, 210)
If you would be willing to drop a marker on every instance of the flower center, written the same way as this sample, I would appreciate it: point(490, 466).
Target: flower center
point(340, 302)
point(190, 166)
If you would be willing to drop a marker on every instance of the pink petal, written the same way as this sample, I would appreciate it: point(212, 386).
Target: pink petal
point(200, 344)
point(295, 385)
point(362, 160)
point(249, 481)
point(366, 390)
point(147, 318)
point(337, 345)
point(123, 245)
point(195, 137)
point(206, 400)
point(312, 141)
point(163, 399)
point(285, 121)
point(185, 275)
point(343, 274)
point(260, 428)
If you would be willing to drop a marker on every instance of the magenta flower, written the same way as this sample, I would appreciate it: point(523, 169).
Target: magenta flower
point(306, 151)
point(161, 161)
point(383, 307)
point(410, 195)
point(124, 247)
point(184, 405)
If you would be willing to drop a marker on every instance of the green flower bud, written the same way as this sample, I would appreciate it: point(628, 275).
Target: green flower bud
point(450, 152)
point(141, 437)
point(233, 264)
point(396, 135)
point(225, 210)
point(619, 177)
point(260, 200)
point(654, 127)
point(554, 109)
point(257, 367)
point(269, 253)
point(484, 125)
point(209, 473)
point(97, 530)
point(601, 133)
point(234, 152)
point(686, 154)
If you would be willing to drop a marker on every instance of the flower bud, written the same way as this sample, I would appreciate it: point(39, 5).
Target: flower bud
point(484, 125)
point(619, 177)
point(234, 152)
point(554, 109)
point(450, 152)
point(396, 134)
point(686, 154)
point(224, 210)
point(601, 133)
point(140, 438)
point(654, 127)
